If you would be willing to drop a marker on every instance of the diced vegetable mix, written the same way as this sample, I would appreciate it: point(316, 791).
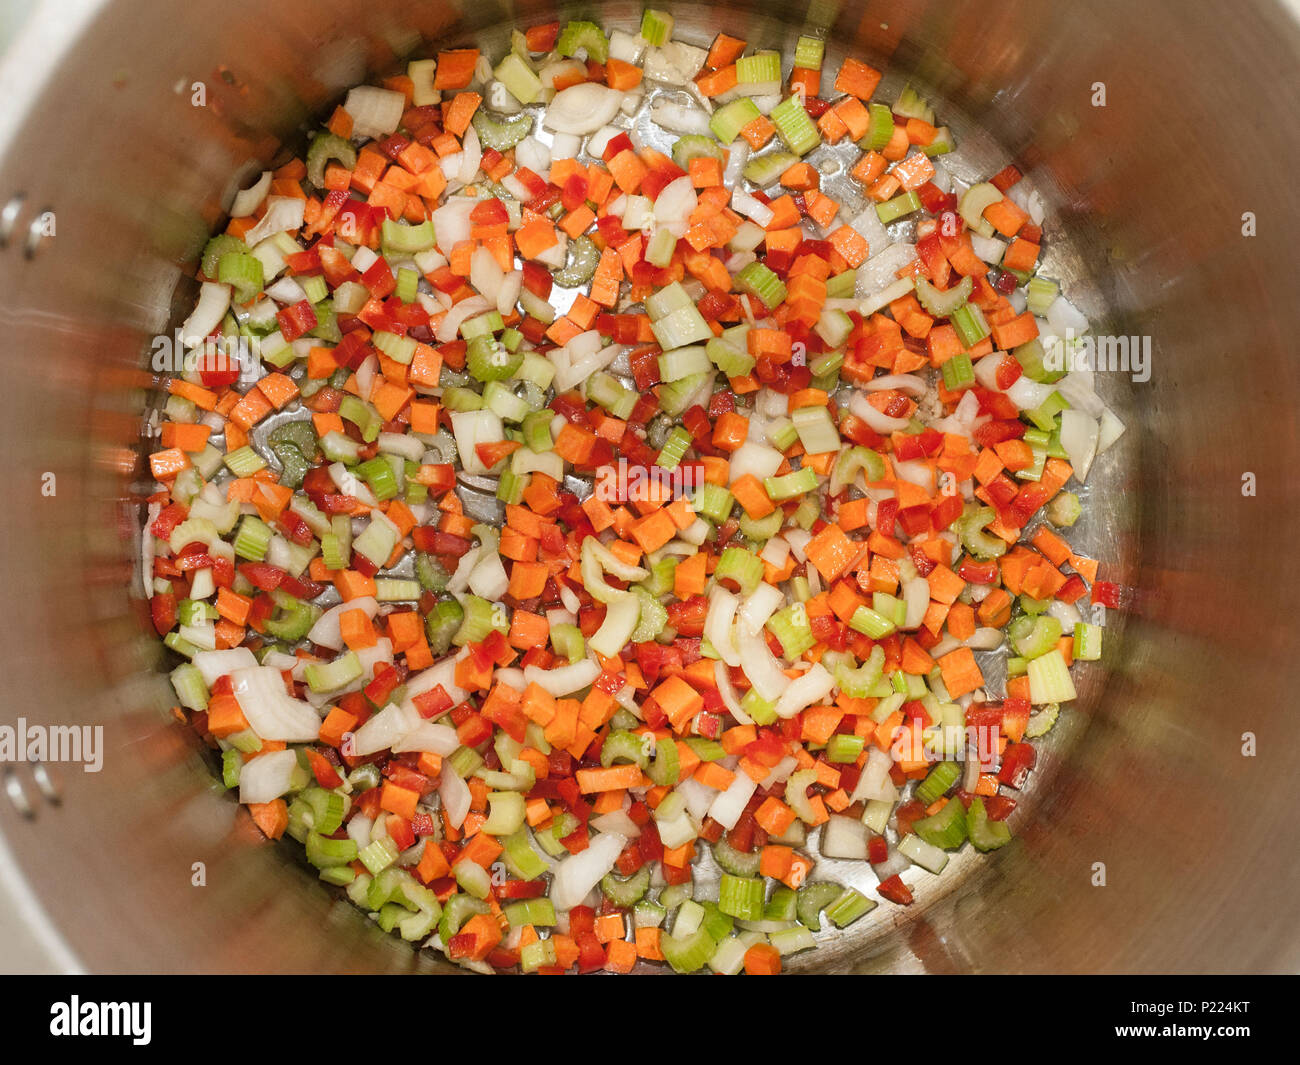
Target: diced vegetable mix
point(476, 728)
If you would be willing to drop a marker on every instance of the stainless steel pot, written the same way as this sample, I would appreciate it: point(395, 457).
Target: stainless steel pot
point(145, 865)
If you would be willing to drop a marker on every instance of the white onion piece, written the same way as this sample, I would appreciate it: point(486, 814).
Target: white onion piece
point(758, 606)
point(679, 118)
point(441, 672)
point(868, 225)
point(814, 685)
point(381, 731)
point(508, 295)
point(1111, 430)
point(1062, 315)
point(990, 249)
point(213, 665)
point(758, 459)
point(366, 374)
point(717, 624)
point(286, 290)
point(455, 796)
point(250, 199)
point(730, 803)
point(466, 308)
point(1078, 389)
point(872, 303)
point(458, 582)
point(358, 829)
point(471, 428)
point(1066, 613)
point(552, 71)
point(916, 594)
point(1027, 394)
point(781, 771)
point(471, 155)
point(375, 112)
point(968, 408)
point(565, 146)
point(727, 691)
point(775, 551)
point(282, 214)
point(599, 141)
point(569, 598)
point(582, 109)
point(616, 822)
point(880, 272)
point(752, 208)
point(451, 225)
point(874, 783)
point(916, 472)
point(986, 639)
point(896, 863)
point(271, 711)
point(326, 631)
point(798, 539)
point(947, 643)
point(698, 796)
point(350, 484)
point(214, 301)
point(1079, 436)
point(488, 579)
point(576, 875)
point(533, 154)
point(427, 736)
point(267, 777)
point(762, 669)
point(408, 447)
point(676, 202)
point(880, 423)
point(485, 274)
point(844, 837)
point(566, 679)
point(905, 382)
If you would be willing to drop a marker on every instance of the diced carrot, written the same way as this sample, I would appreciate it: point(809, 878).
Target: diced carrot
point(271, 817)
point(857, 79)
point(960, 672)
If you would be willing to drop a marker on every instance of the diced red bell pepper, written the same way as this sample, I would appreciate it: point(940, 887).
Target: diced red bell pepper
point(1017, 762)
point(297, 320)
point(163, 609)
point(895, 890)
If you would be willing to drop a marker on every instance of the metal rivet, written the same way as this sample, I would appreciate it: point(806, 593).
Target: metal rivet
point(9, 218)
point(17, 793)
point(47, 783)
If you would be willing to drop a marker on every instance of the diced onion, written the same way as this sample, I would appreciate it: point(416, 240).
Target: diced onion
point(844, 837)
point(717, 624)
point(250, 199)
point(271, 711)
point(582, 109)
point(729, 804)
point(815, 684)
point(213, 665)
point(576, 875)
point(455, 796)
point(214, 301)
point(566, 679)
point(267, 777)
point(874, 783)
point(326, 632)
point(375, 112)
point(282, 214)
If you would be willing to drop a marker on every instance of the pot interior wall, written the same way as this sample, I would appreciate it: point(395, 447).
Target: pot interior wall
point(1150, 190)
